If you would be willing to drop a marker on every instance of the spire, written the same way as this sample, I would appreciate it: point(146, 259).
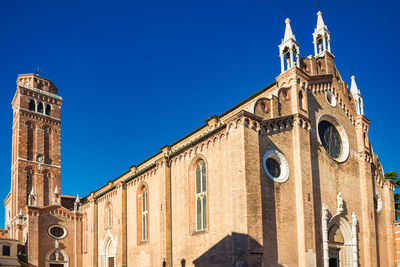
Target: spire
point(320, 21)
point(77, 200)
point(353, 87)
point(288, 31)
point(289, 50)
point(321, 36)
point(357, 96)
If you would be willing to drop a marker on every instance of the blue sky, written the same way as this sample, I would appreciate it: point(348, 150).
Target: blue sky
point(136, 75)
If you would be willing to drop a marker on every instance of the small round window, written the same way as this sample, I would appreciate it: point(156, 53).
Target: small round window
point(276, 166)
point(57, 232)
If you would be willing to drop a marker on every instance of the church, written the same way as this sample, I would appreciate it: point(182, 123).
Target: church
point(287, 178)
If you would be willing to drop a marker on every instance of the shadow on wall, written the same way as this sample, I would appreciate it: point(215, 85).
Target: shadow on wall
point(230, 251)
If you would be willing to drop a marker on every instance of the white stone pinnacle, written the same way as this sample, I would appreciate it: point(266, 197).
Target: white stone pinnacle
point(320, 21)
point(288, 31)
point(353, 87)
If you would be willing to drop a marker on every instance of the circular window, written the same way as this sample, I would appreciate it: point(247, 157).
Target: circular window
point(330, 98)
point(276, 166)
point(57, 232)
point(333, 138)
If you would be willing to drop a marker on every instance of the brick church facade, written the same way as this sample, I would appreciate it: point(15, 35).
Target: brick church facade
point(285, 178)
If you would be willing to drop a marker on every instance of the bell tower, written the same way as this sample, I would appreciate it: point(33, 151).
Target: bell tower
point(36, 153)
point(289, 49)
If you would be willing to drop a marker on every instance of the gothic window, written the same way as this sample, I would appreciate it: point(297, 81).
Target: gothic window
point(32, 105)
point(48, 110)
point(46, 141)
point(108, 215)
point(29, 174)
point(46, 188)
point(301, 101)
point(201, 196)
point(143, 213)
point(40, 107)
point(29, 145)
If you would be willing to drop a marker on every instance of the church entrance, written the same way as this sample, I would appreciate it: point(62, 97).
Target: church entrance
point(57, 258)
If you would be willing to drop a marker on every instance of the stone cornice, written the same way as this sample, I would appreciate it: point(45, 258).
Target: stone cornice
point(38, 116)
point(37, 90)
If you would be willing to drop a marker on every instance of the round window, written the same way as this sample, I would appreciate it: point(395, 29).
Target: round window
point(276, 166)
point(57, 232)
point(333, 138)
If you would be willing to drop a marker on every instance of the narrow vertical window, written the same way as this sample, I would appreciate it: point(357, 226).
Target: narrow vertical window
point(108, 217)
point(48, 110)
point(144, 214)
point(46, 144)
point(32, 105)
point(301, 100)
point(30, 141)
point(46, 188)
point(201, 196)
point(28, 184)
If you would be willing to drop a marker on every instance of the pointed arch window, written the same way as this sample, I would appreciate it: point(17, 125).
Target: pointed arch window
point(109, 215)
point(143, 213)
point(201, 195)
point(48, 110)
point(301, 101)
point(40, 107)
point(29, 174)
point(32, 105)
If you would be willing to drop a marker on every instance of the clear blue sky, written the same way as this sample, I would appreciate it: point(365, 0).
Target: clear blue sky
point(136, 75)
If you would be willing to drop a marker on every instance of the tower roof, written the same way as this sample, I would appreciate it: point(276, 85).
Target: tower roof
point(320, 21)
point(288, 31)
point(353, 87)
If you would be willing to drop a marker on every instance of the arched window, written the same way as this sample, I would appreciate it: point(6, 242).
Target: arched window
point(32, 105)
point(143, 213)
point(108, 215)
point(46, 144)
point(29, 144)
point(29, 174)
point(46, 188)
point(48, 110)
point(201, 196)
point(40, 107)
point(301, 100)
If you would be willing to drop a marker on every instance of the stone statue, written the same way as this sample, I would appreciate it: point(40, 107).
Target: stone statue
point(339, 200)
point(57, 244)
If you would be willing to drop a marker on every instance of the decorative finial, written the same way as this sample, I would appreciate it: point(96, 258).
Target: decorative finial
point(317, 4)
point(77, 200)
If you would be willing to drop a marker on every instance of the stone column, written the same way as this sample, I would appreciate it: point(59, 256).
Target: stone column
point(315, 48)
point(329, 45)
point(123, 238)
point(325, 246)
point(354, 241)
point(282, 63)
point(324, 43)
